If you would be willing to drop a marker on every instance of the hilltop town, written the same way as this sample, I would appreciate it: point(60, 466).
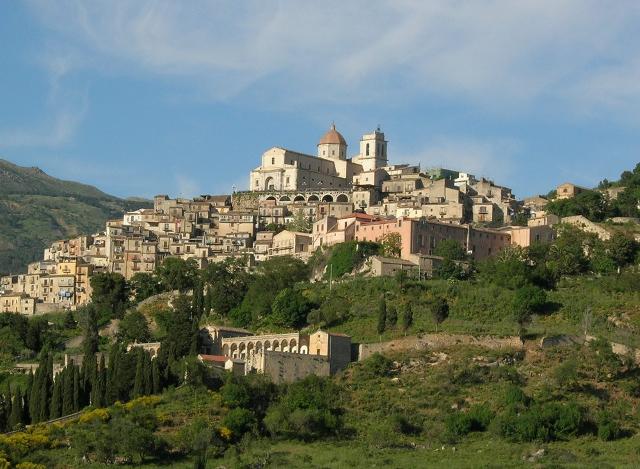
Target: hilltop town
point(334, 286)
point(295, 205)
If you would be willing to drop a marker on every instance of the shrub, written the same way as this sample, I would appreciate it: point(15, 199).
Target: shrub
point(239, 421)
point(308, 410)
point(546, 422)
point(375, 366)
point(476, 419)
point(608, 427)
point(515, 396)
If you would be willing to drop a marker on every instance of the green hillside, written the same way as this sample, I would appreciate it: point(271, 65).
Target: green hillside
point(36, 209)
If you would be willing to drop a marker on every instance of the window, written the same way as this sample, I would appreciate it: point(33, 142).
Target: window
point(273, 161)
point(333, 152)
point(367, 150)
point(287, 179)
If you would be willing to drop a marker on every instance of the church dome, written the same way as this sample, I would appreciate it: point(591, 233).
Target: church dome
point(332, 137)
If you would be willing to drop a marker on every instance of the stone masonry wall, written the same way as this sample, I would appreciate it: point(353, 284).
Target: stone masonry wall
point(438, 341)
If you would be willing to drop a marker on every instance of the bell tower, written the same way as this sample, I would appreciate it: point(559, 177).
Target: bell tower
point(373, 151)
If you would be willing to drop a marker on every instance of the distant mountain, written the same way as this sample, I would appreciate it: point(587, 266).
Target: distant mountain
point(37, 209)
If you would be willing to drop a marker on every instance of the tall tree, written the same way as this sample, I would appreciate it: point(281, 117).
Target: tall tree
point(67, 390)
point(155, 376)
point(147, 374)
point(15, 418)
point(197, 299)
point(109, 294)
point(98, 391)
point(55, 410)
point(407, 317)
point(138, 385)
point(439, 310)
point(90, 344)
point(76, 388)
point(382, 315)
point(177, 274)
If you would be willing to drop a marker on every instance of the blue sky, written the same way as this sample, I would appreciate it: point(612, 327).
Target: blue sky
point(145, 97)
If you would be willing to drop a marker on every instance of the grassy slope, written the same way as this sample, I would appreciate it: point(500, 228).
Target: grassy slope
point(425, 390)
point(481, 308)
point(36, 209)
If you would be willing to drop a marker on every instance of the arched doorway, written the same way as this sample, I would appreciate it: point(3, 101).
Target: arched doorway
point(327, 198)
point(342, 198)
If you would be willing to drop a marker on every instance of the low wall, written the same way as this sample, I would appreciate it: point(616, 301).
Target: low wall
point(438, 341)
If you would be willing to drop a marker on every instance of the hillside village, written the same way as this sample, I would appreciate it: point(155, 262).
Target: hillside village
point(302, 287)
point(296, 204)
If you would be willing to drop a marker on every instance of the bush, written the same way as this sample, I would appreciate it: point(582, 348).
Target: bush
point(515, 396)
point(608, 428)
point(376, 366)
point(239, 421)
point(476, 419)
point(308, 410)
point(546, 422)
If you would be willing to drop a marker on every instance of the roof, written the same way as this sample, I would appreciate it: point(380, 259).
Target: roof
point(332, 137)
point(360, 216)
point(213, 358)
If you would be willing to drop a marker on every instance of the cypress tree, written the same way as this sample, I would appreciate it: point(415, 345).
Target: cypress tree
point(15, 417)
point(98, 391)
point(155, 376)
point(8, 406)
point(67, 391)
point(197, 300)
point(138, 385)
point(90, 344)
point(4, 419)
point(35, 395)
point(407, 317)
point(392, 315)
point(382, 315)
point(76, 388)
point(27, 398)
point(43, 406)
point(56, 399)
point(148, 375)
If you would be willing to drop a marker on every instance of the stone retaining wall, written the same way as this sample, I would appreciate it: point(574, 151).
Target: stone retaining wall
point(438, 341)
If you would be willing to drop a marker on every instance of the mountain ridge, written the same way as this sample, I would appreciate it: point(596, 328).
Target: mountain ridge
point(37, 209)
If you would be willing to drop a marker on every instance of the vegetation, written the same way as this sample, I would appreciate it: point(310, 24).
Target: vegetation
point(37, 209)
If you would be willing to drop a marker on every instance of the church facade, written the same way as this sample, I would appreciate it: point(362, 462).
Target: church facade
point(330, 169)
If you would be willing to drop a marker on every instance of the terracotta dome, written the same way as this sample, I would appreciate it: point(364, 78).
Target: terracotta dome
point(332, 136)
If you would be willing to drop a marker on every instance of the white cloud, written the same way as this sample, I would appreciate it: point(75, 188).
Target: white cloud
point(498, 53)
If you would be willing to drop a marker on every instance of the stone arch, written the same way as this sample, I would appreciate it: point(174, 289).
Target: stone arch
point(327, 198)
point(313, 198)
point(271, 197)
point(234, 350)
point(225, 350)
point(258, 347)
point(298, 198)
point(342, 198)
point(276, 346)
point(285, 198)
point(293, 346)
point(267, 345)
point(303, 349)
point(284, 345)
point(269, 184)
point(250, 348)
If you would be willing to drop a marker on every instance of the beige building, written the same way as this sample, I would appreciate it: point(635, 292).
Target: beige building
point(17, 303)
point(568, 190)
point(291, 243)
